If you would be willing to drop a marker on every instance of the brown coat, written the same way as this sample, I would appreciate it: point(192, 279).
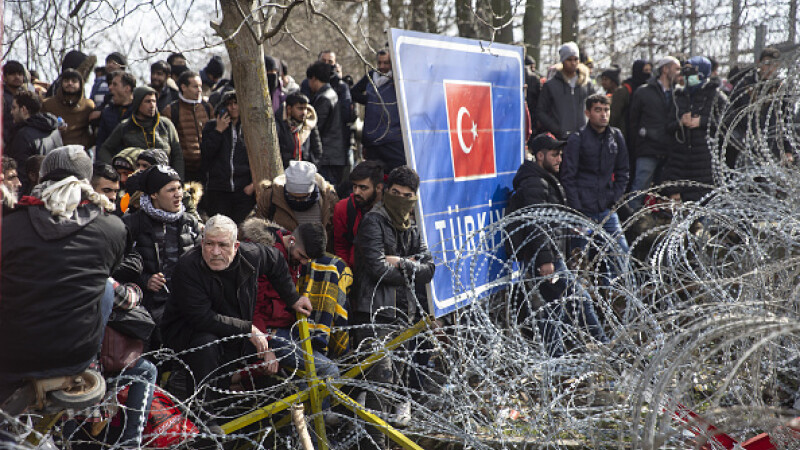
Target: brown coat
point(271, 192)
point(75, 113)
point(191, 119)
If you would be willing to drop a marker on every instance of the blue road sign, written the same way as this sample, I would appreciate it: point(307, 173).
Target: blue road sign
point(463, 122)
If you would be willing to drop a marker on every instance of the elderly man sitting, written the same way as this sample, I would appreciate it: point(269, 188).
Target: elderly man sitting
point(214, 293)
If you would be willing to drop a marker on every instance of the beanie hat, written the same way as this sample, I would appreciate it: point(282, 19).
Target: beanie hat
point(703, 65)
point(118, 58)
point(156, 177)
point(155, 156)
point(126, 159)
point(13, 67)
point(215, 67)
point(612, 74)
point(664, 61)
point(73, 59)
point(300, 177)
point(69, 160)
point(568, 50)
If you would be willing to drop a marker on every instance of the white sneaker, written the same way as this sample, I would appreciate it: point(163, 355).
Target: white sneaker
point(402, 415)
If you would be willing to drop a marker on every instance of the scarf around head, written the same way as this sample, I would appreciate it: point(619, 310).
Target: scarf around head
point(399, 209)
point(159, 214)
point(302, 205)
point(62, 197)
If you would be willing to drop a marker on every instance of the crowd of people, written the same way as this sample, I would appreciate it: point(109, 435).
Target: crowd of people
point(141, 198)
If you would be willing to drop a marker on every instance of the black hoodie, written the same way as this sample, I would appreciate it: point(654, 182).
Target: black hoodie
point(54, 274)
point(36, 136)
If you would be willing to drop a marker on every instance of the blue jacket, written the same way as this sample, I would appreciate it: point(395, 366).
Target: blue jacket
point(594, 169)
point(111, 116)
point(381, 117)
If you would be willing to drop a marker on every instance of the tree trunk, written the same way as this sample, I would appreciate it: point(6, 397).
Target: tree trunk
point(532, 23)
point(792, 21)
point(252, 93)
point(736, 14)
point(465, 20)
point(569, 21)
point(501, 19)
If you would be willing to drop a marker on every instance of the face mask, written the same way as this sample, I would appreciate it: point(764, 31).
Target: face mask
point(693, 80)
point(399, 209)
point(302, 205)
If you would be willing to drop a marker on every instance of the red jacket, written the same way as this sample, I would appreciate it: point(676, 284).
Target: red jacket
point(345, 212)
point(271, 311)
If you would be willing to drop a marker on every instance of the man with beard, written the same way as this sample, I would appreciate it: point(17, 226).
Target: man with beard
point(298, 196)
point(121, 89)
point(34, 132)
point(70, 104)
point(536, 183)
point(161, 81)
point(297, 131)
point(162, 232)
point(381, 135)
point(105, 181)
point(367, 180)
point(145, 129)
point(393, 265)
point(11, 178)
point(13, 84)
point(189, 114)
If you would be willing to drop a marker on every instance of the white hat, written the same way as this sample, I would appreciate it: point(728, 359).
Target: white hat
point(300, 177)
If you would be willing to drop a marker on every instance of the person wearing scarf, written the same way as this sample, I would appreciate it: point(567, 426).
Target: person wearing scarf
point(393, 265)
point(162, 232)
point(145, 129)
point(59, 248)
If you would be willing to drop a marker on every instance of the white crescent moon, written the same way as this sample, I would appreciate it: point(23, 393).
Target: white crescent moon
point(461, 111)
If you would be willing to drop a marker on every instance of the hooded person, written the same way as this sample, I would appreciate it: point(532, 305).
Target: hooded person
point(59, 248)
point(34, 132)
point(212, 73)
point(695, 114)
point(640, 73)
point(162, 232)
point(146, 128)
point(73, 107)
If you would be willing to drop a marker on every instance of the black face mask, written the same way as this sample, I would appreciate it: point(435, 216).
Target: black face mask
point(272, 81)
point(302, 205)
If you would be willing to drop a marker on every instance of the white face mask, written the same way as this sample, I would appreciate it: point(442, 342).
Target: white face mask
point(693, 80)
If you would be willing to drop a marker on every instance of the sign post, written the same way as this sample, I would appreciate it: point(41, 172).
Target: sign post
point(463, 121)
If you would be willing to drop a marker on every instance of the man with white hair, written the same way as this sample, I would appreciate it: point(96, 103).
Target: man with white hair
point(58, 250)
point(214, 294)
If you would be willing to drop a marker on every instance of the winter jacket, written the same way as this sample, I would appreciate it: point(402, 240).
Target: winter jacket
point(329, 125)
point(110, 117)
point(272, 204)
point(131, 133)
point(75, 111)
point(225, 168)
point(168, 94)
point(560, 109)
point(381, 128)
point(346, 218)
point(345, 104)
point(534, 82)
point(271, 310)
point(192, 117)
point(149, 242)
point(54, 274)
point(594, 169)
point(36, 136)
point(533, 185)
point(650, 114)
point(691, 158)
point(380, 287)
point(199, 306)
point(302, 144)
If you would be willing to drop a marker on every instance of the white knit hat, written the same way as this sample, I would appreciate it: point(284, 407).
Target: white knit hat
point(300, 177)
point(568, 50)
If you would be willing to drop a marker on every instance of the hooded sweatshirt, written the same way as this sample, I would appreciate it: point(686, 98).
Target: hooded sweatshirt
point(152, 132)
point(36, 136)
point(45, 331)
point(75, 110)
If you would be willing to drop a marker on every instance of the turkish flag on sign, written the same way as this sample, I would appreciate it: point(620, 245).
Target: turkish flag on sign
point(471, 128)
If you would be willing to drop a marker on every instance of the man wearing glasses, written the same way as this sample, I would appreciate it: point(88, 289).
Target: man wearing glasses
point(393, 265)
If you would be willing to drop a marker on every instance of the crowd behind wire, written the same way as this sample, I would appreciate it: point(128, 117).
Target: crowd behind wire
point(332, 239)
